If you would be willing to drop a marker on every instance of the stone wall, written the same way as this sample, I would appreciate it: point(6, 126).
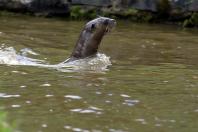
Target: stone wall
point(62, 6)
point(36, 6)
point(138, 10)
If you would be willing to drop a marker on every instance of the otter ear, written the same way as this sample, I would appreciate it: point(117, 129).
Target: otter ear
point(93, 26)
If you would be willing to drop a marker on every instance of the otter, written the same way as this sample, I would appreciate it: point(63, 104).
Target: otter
point(86, 47)
point(90, 38)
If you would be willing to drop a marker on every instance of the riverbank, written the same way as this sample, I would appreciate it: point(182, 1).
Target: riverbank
point(180, 12)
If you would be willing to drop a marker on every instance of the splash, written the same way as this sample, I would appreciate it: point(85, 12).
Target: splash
point(98, 63)
point(9, 56)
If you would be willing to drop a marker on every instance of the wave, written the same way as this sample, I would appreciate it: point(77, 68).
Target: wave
point(9, 56)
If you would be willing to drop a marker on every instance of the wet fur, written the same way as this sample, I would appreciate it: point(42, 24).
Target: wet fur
point(90, 38)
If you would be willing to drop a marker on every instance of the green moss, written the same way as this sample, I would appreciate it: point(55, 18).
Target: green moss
point(7, 13)
point(78, 12)
point(130, 12)
point(192, 21)
point(194, 18)
point(142, 16)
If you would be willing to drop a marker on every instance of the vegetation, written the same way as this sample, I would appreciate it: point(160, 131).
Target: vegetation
point(78, 12)
point(192, 21)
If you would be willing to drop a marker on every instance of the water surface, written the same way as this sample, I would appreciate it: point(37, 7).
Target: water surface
point(151, 86)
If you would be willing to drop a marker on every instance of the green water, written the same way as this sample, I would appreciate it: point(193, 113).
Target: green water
point(151, 86)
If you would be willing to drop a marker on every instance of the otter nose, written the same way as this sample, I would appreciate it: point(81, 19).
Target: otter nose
point(106, 22)
point(109, 22)
point(113, 21)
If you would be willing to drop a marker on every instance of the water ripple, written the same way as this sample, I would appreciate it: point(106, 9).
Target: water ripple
point(45, 85)
point(91, 109)
point(15, 106)
point(75, 129)
point(3, 95)
point(73, 97)
point(49, 95)
point(125, 96)
point(141, 120)
point(130, 102)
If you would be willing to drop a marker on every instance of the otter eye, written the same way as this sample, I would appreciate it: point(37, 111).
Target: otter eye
point(93, 26)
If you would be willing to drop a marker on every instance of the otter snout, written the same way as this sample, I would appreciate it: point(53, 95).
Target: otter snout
point(110, 22)
point(113, 21)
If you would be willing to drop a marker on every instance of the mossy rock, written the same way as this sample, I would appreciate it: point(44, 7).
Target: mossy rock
point(78, 12)
point(142, 16)
point(130, 12)
point(192, 21)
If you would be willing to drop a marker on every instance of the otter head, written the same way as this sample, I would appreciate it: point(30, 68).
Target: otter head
point(91, 36)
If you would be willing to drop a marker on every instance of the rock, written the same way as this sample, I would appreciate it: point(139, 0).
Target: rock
point(146, 5)
point(193, 6)
point(50, 6)
point(58, 7)
point(103, 3)
point(15, 5)
point(185, 5)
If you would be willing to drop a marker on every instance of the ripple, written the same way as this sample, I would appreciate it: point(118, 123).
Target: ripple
point(196, 110)
point(23, 73)
point(130, 102)
point(75, 129)
point(110, 94)
point(141, 120)
point(125, 96)
point(3, 95)
point(49, 95)
point(44, 125)
point(98, 92)
point(108, 101)
point(87, 111)
point(114, 130)
point(91, 109)
point(23, 86)
point(15, 71)
point(15, 106)
point(67, 127)
point(45, 85)
point(26, 51)
point(95, 108)
point(165, 120)
point(73, 97)
point(158, 125)
point(28, 102)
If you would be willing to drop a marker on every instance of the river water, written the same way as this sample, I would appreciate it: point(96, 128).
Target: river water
point(151, 84)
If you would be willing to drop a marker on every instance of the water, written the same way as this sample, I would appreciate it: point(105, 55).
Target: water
point(151, 85)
